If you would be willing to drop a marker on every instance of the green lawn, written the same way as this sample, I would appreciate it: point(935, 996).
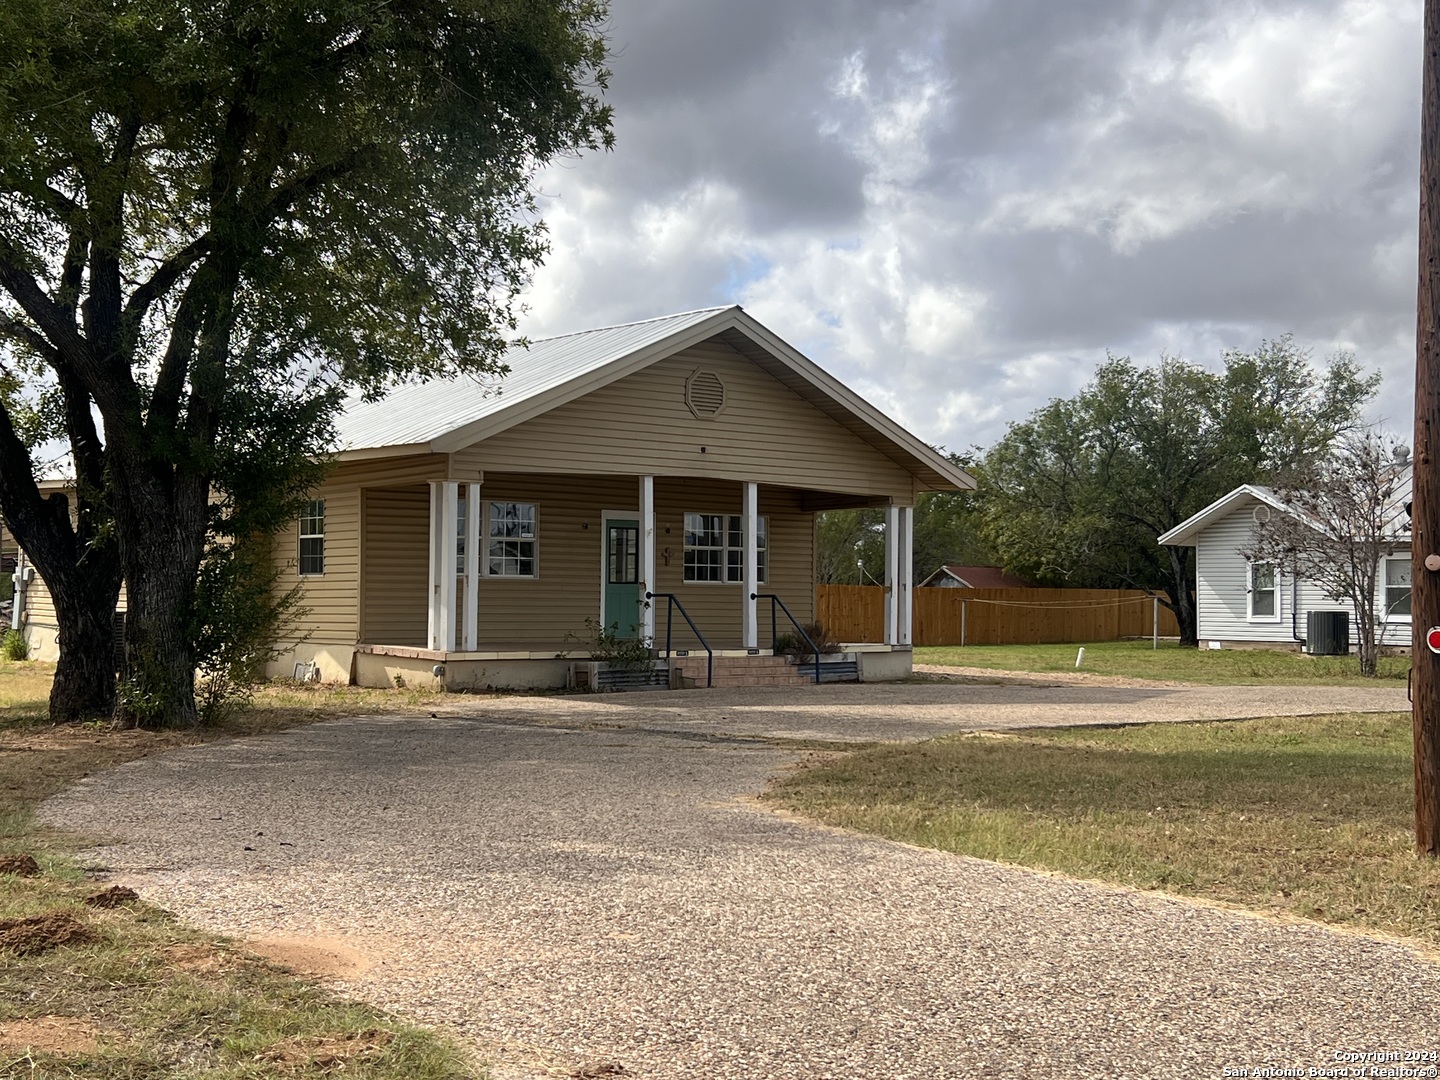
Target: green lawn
point(1309, 816)
point(1136, 659)
point(145, 996)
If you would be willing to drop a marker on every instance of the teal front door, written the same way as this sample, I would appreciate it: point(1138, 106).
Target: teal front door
point(622, 578)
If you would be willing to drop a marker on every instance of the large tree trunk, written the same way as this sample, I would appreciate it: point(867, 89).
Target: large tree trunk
point(84, 591)
point(78, 563)
point(162, 528)
point(1181, 591)
point(84, 686)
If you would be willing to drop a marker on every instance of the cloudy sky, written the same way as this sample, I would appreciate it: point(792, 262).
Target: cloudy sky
point(958, 206)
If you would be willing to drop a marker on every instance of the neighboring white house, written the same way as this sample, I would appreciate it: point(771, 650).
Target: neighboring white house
point(1238, 600)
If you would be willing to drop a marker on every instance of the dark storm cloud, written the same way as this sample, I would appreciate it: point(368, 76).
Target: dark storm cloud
point(985, 197)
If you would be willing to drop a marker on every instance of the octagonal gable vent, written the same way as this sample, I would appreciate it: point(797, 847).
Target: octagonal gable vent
point(705, 394)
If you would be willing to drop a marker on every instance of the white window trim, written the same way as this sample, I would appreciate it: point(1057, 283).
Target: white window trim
point(725, 549)
point(484, 553)
point(1250, 595)
point(1385, 615)
point(303, 536)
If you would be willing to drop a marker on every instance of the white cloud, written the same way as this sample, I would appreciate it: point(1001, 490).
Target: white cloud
point(958, 208)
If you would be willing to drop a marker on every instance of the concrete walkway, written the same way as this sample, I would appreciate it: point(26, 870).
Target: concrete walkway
point(567, 883)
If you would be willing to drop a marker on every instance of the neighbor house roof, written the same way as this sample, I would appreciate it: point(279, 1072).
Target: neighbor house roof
point(1188, 531)
point(445, 415)
point(1185, 534)
point(978, 577)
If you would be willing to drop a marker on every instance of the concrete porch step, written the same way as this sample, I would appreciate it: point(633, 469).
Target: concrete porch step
point(689, 671)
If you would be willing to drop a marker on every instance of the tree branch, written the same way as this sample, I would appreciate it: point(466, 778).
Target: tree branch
point(161, 282)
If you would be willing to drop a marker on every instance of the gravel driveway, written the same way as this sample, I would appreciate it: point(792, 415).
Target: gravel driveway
point(566, 883)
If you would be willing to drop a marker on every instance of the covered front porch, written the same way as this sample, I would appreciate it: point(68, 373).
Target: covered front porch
point(505, 580)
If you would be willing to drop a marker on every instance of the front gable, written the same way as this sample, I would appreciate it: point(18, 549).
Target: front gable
point(705, 411)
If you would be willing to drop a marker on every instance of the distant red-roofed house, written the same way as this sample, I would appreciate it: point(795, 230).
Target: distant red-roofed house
point(973, 577)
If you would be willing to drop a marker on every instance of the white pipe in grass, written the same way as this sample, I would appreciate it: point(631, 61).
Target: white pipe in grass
point(1080, 656)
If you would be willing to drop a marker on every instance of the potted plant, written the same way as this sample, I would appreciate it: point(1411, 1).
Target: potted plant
point(617, 663)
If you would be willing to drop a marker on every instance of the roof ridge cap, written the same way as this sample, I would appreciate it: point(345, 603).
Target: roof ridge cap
point(636, 322)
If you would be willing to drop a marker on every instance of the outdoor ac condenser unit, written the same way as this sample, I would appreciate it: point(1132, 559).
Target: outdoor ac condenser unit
point(1327, 633)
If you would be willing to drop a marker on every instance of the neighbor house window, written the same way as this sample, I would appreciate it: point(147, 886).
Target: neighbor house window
point(715, 547)
point(511, 543)
point(1264, 596)
point(1397, 587)
point(312, 538)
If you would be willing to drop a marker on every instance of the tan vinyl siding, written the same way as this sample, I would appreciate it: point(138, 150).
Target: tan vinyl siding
point(551, 610)
point(332, 598)
point(545, 609)
point(390, 472)
point(1223, 600)
point(718, 608)
point(39, 606)
point(396, 565)
point(641, 424)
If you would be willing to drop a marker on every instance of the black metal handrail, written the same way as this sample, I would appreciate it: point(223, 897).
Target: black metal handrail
point(671, 603)
point(775, 627)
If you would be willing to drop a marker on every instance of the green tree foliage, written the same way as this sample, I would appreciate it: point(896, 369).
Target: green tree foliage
point(200, 198)
point(1077, 494)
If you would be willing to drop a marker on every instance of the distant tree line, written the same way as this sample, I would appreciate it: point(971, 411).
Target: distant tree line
point(1075, 494)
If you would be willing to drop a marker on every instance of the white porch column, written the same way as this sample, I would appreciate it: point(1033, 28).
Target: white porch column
point(648, 580)
point(472, 567)
point(444, 512)
point(906, 576)
point(892, 575)
point(749, 525)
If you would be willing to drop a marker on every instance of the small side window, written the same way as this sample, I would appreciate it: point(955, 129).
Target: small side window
point(312, 539)
point(1397, 587)
point(1264, 596)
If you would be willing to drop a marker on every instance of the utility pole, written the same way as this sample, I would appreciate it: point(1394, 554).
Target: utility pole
point(1425, 507)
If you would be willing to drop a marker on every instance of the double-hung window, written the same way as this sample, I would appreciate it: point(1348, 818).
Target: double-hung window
point(1397, 587)
point(715, 547)
point(512, 543)
point(312, 539)
point(1264, 592)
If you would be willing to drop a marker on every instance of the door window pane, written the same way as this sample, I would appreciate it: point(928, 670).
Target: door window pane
point(624, 555)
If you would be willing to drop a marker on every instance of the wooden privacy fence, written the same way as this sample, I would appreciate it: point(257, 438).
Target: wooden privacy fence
point(856, 613)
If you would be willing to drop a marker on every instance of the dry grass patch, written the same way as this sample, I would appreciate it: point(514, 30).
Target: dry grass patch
point(1304, 816)
point(114, 988)
point(1137, 660)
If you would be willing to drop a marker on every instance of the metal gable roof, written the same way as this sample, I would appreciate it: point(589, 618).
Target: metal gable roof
point(447, 415)
point(418, 414)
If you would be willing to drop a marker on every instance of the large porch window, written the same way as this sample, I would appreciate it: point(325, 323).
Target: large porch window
point(715, 548)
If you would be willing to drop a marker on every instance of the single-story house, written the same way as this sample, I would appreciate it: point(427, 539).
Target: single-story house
point(486, 526)
point(951, 576)
point(1242, 601)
